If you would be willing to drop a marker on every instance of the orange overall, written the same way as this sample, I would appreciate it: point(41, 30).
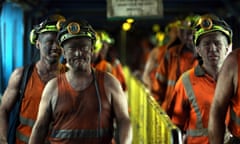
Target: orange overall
point(192, 96)
point(104, 65)
point(175, 63)
point(152, 74)
point(116, 70)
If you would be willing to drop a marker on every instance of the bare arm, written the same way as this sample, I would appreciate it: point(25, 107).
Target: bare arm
point(150, 64)
point(225, 89)
point(120, 105)
point(8, 101)
point(41, 126)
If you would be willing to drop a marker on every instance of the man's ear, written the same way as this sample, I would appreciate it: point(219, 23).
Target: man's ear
point(37, 44)
point(92, 49)
point(198, 50)
point(229, 48)
point(63, 52)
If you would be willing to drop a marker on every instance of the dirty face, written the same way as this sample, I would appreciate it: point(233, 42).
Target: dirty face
point(78, 52)
point(213, 48)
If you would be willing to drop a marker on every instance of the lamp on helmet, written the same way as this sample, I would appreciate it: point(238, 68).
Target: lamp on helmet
point(211, 23)
point(189, 22)
point(75, 28)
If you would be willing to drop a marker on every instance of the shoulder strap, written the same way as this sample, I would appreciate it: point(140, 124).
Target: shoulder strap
point(95, 77)
point(94, 73)
point(27, 70)
point(14, 115)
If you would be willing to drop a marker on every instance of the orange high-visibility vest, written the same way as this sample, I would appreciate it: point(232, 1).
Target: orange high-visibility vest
point(77, 118)
point(193, 96)
point(29, 106)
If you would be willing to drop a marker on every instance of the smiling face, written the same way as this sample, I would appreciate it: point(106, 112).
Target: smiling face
point(49, 47)
point(78, 52)
point(213, 48)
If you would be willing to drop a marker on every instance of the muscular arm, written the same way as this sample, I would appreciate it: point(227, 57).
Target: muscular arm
point(120, 105)
point(225, 89)
point(8, 101)
point(41, 126)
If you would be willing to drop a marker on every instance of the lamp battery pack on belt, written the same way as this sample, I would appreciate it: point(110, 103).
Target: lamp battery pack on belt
point(14, 115)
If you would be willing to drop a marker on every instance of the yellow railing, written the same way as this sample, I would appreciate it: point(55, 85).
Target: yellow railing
point(151, 125)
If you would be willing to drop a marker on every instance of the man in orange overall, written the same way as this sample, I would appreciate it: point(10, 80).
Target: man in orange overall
point(82, 103)
point(49, 66)
point(194, 91)
point(100, 51)
point(100, 61)
point(157, 55)
point(177, 60)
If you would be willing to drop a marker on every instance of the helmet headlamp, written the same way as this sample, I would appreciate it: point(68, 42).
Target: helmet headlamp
point(60, 23)
point(74, 28)
point(209, 23)
point(206, 23)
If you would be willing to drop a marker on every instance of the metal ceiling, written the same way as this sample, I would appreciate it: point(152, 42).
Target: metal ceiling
point(95, 10)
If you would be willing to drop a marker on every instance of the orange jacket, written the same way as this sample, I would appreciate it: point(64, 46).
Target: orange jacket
point(234, 124)
point(116, 70)
point(104, 65)
point(175, 62)
point(152, 74)
point(192, 98)
point(157, 58)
